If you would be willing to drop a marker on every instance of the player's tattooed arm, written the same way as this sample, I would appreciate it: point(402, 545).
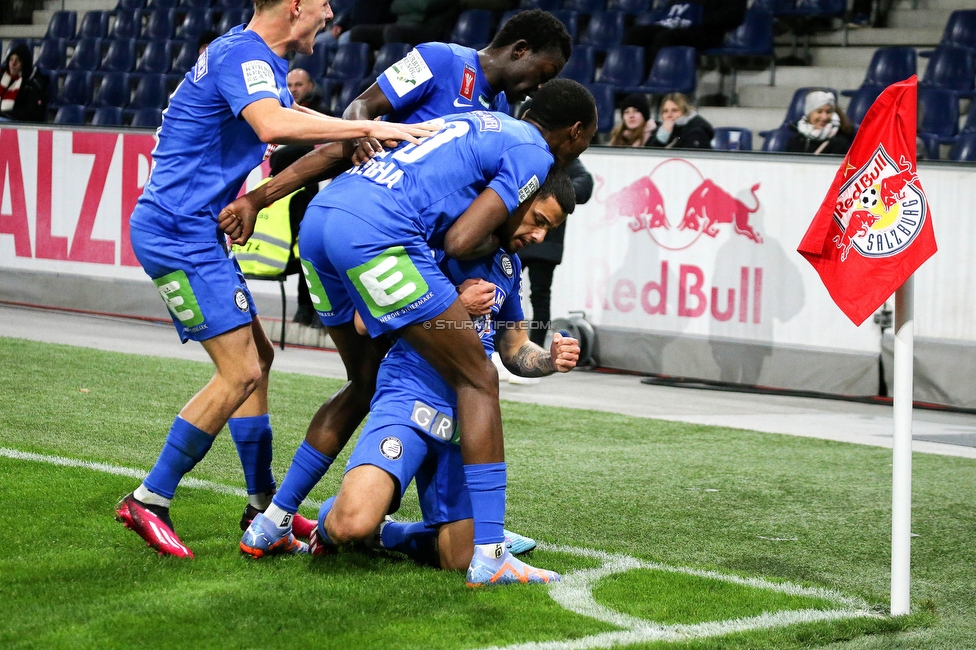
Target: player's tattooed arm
point(531, 361)
point(526, 359)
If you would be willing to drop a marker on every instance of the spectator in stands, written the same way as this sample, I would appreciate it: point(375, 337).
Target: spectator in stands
point(824, 128)
point(417, 21)
point(206, 38)
point(306, 92)
point(21, 98)
point(681, 126)
point(636, 125)
point(701, 24)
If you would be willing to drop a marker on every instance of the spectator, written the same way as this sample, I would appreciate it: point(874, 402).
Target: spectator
point(306, 92)
point(701, 24)
point(824, 128)
point(417, 21)
point(636, 125)
point(22, 99)
point(681, 126)
point(206, 38)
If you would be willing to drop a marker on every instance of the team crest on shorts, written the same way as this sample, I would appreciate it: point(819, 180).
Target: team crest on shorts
point(240, 300)
point(391, 447)
point(507, 267)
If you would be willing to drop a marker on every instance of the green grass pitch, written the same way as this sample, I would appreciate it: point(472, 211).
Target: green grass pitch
point(666, 533)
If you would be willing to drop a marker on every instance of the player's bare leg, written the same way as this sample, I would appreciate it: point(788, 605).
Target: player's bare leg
point(455, 544)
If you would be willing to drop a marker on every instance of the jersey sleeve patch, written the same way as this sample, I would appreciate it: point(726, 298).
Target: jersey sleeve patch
point(527, 190)
point(258, 76)
point(408, 73)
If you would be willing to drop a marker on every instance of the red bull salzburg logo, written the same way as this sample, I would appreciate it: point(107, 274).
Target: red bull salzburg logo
point(691, 206)
point(881, 209)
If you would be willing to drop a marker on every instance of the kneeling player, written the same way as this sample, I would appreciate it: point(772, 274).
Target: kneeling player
point(411, 432)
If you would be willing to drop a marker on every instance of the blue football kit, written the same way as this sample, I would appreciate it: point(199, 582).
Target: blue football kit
point(204, 152)
point(366, 239)
point(438, 79)
point(411, 432)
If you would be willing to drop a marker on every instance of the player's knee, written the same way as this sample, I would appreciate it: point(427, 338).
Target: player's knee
point(482, 376)
point(346, 527)
point(246, 377)
point(266, 355)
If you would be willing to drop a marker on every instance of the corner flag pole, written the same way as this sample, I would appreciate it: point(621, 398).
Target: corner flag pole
point(901, 464)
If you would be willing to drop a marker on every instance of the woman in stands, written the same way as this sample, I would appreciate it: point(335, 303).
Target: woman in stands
point(681, 126)
point(824, 128)
point(636, 127)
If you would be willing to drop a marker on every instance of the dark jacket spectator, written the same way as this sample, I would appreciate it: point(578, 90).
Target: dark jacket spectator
point(417, 21)
point(22, 97)
point(824, 128)
point(681, 126)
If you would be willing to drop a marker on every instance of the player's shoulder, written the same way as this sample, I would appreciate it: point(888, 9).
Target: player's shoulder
point(435, 53)
point(240, 45)
point(508, 265)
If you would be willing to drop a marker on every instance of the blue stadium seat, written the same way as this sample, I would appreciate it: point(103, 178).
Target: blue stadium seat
point(348, 92)
point(960, 30)
point(234, 4)
point(795, 112)
point(569, 19)
point(87, 55)
point(112, 91)
point(964, 148)
point(938, 112)
point(775, 7)
point(650, 17)
point(155, 59)
point(889, 65)
point(605, 30)
point(94, 24)
point(820, 8)
point(151, 92)
point(630, 7)
point(506, 17)
point(147, 118)
point(969, 126)
point(126, 25)
point(861, 101)
point(75, 89)
point(195, 4)
point(931, 149)
point(51, 55)
point(950, 68)
point(161, 5)
point(753, 38)
point(107, 116)
point(62, 25)
point(186, 58)
point(604, 96)
point(776, 139)
point(121, 56)
point(623, 66)
point(128, 6)
point(585, 6)
point(195, 22)
point(473, 28)
point(351, 61)
point(232, 18)
point(581, 65)
point(387, 55)
point(315, 64)
point(70, 114)
point(732, 138)
point(159, 26)
point(545, 5)
point(673, 71)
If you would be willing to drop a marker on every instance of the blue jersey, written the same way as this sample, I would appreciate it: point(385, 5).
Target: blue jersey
point(405, 376)
point(438, 79)
point(204, 148)
point(424, 188)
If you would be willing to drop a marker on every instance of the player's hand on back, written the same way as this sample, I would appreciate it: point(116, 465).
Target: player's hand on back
point(368, 147)
point(237, 220)
point(477, 296)
point(564, 351)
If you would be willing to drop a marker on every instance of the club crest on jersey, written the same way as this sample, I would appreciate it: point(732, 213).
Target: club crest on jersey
point(391, 447)
point(240, 300)
point(467, 82)
point(881, 209)
point(507, 267)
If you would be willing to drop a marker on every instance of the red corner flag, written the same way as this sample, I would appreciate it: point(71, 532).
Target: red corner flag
point(874, 228)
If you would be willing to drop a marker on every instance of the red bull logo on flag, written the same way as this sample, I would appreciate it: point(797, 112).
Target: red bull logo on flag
point(881, 209)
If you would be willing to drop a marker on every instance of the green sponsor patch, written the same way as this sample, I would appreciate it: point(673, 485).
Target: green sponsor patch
point(315, 289)
point(388, 282)
point(179, 297)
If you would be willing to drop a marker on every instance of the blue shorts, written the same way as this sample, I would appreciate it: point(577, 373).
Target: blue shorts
point(392, 280)
point(401, 448)
point(203, 289)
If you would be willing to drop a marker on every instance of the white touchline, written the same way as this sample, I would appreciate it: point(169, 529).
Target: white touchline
point(575, 592)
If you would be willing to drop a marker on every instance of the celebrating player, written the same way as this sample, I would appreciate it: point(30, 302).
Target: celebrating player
point(411, 430)
point(217, 128)
point(366, 247)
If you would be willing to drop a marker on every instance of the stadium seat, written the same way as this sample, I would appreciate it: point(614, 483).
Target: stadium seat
point(623, 67)
point(51, 55)
point(604, 96)
point(87, 55)
point(155, 59)
point(673, 72)
point(753, 38)
point(820, 8)
point(960, 30)
point(630, 7)
point(107, 116)
point(931, 149)
point(75, 89)
point(545, 5)
point(14, 42)
point(605, 30)
point(128, 6)
point(387, 55)
point(732, 138)
point(113, 90)
point(62, 25)
point(195, 22)
point(795, 112)
point(240, 4)
point(147, 118)
point(232, 18)
point(121, 56)
point(125, 25)
point(861, 101)
point(351, 61)
point(348, 92)
point(161, 5)
point(585, 6)
point(581, 66)
point(159, 26)
point(151, 92)
point(315, 64)
point(94, 24)
point(473, 28)
point(969, 126)
point(776, 139)
point(950, 68)
point(889, 65)
point(506, 17)
point(70, 114)
point(938, 112)
point(964, 148)
point(195, 4)
point(775, 7)
point(650, 17)
point(186, 58)
point(569, 19)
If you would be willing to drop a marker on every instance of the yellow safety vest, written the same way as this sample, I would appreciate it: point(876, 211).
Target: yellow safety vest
point(269, 248)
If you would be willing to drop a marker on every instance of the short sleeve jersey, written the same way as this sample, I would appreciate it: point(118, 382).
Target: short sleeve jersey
point(437, 79)
point(405, 375)
point(423, 189)
point(204, 148)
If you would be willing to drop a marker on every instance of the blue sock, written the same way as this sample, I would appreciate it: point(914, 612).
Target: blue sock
point(307, 468)
point(486, 484)
point(413, 539)
point(185, 446)
point(323, 513)
point(253, 439)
